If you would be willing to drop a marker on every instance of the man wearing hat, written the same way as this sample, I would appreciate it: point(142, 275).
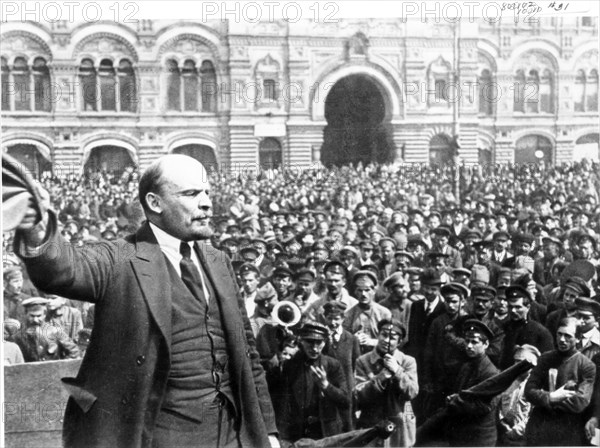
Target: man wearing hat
point(542, 267)
point(441, 238)
point(315, 389)
point(361, 320)
point(386, 382)
point(335, 281)
point(422, 315)
point(265, 299)
point(67, 318)
point(397, 300)
point(523, 245)
point(281, 279)
point(573, 288)
point(588, 312)
point(366, 252)
point(520, 329)
point(304, 295)
point(39, 340)
point(343, 346)
point(349, 256)
point(500, 240)
point(484, 250)
point(472, 424)
point(444, 351)
point(11, 351)
point(13, 293)
point(586, 249)
point(560, 400)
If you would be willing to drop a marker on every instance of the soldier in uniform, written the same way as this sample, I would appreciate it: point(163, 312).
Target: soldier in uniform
point(42, 341)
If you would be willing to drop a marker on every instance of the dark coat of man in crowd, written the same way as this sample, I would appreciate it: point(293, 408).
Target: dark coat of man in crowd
point(473, 422)
point(309, 410)
point(117, 395)
point(559, 400)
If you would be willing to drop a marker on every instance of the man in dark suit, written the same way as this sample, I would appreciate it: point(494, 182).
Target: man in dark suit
point(172, 360)
point(422, 315)
point(315, 393)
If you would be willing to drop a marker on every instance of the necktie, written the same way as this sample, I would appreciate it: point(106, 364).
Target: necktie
point(190, 273)
point(428, 309)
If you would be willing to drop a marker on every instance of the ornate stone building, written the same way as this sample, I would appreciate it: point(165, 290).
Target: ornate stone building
point(242, 95)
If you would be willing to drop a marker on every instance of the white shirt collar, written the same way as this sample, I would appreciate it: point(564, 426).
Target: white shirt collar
point(165, 241)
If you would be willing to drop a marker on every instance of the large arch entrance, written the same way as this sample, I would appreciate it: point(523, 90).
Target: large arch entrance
point(587, 147)
point(533, 149)
point(109, 159)
point(358, 127)
point(30, 156)
point(202, 153)
point(440, 150)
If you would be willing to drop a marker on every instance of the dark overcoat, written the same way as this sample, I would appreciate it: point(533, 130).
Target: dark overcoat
point(117, 394)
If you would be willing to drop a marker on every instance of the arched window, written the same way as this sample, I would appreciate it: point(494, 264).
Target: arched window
point(486, 93)
point(209, 87)
point(591, 91)
point(106, 74)
point(173, 86)
point(579, 92)
point(89, 87)
point(438, 80)
point(532, 92)
point(190, 85)
point(21, 82)
point(127, 87)
point(41, 82)
point(519, 98)
point(5, 85)
point(547, 92)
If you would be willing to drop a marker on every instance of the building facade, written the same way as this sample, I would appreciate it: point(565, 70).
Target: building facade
point(242, 96)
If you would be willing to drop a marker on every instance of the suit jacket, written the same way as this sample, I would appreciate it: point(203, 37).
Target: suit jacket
point(418, 330)
point(122, 380)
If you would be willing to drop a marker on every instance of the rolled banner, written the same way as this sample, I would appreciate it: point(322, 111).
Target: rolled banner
point(19, 190)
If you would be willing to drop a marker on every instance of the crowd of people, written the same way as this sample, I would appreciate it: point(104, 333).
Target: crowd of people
point(401, 296)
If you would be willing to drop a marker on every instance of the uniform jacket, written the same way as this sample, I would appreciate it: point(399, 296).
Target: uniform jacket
point(119, 388)
point(524, 332)
point(418, 329)
point(472, 422)
point(333, 401)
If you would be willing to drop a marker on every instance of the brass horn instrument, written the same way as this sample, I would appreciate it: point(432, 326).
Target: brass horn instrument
point(287, 314)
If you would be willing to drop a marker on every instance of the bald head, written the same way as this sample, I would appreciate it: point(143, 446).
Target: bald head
point(174, 192)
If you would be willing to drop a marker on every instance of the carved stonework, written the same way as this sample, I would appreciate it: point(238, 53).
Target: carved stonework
point(106, 43)
point(268, 69)
point(357, 46)
point(62, 39)
point(239, 52)
point(535, 61)
point(24, 43)
point(190, 45)
point(148, 85)
point(588, 61)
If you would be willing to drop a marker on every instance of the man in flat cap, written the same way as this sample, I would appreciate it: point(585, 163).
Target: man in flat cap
point(42, 341)
point(520, 329)
point(361, 320)
point(441, 239)
point(444, 351)
point(343, 346)
point(560, 389)
point(304, 295)
point(573, 288)
point(66, 317)
point(523, 245)
point(13, 293)
point(349, 256)
point(472, 422)
point(366, 252)
point(386, 382)
point(397, 300)
point(265, 300)
point(335, 281)
point(316, 391)
point(417, 246)
point(588, 313)
point(484, 250)
point(542, 267)
point(281, 279)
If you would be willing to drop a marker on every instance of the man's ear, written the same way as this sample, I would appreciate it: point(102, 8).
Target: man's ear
point(154, 202)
